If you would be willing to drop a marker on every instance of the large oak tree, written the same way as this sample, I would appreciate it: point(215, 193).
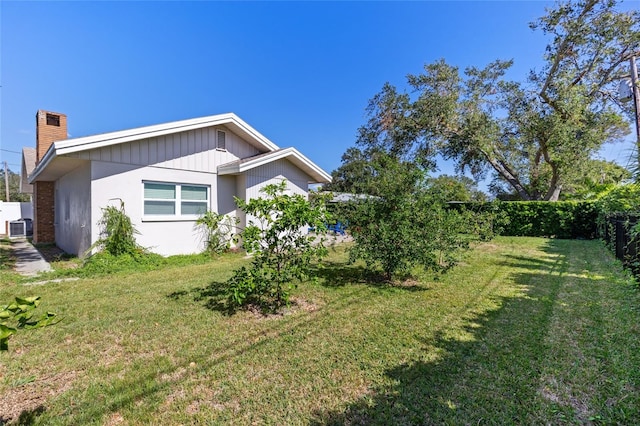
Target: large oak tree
point(536, 136)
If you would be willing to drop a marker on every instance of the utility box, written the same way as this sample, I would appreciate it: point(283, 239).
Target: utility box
point(17, 228)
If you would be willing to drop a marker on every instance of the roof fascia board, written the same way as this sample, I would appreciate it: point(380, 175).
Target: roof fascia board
point(48, 156)
point(241, 167)
point(106, 139)
point(113, 138)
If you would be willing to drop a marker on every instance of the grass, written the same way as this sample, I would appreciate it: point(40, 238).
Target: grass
point(7, 262)
point(525, 330)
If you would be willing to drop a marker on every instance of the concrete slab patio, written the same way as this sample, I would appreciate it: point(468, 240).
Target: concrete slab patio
point(29, 261)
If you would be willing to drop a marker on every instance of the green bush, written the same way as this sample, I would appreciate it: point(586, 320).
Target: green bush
point(117, 233)
point(217, 230)
point(406, 226)
point(19, 315)
point(282, 250)
point(620, 198)
point(561, 219)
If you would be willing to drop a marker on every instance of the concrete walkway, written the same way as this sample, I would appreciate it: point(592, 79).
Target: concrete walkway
point(29, 261)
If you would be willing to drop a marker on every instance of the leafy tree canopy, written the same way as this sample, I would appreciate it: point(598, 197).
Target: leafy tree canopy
point(454, 188)
point(537, 136)
point(14, 187)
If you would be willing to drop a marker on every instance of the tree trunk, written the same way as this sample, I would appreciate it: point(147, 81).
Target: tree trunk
point(554, 185)
point(554, 193)
point(508, 175)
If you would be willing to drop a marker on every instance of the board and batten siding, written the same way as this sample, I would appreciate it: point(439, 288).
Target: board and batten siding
point(193, 150)
point(275, 172)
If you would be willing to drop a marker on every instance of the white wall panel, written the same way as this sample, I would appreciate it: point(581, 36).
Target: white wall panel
point(111, 181)
point(73, 213)
point(193, 150)
point(275, 172)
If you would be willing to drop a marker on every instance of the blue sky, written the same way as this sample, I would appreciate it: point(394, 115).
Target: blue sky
point(301, 73)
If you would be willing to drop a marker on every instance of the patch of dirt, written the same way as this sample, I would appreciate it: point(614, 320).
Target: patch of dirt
point(51, 253)
point(298, 304)
point(409, 282)
point(114, 419)
point(30, 399)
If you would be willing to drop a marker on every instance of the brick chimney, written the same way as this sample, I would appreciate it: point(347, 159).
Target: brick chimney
point(50, 127)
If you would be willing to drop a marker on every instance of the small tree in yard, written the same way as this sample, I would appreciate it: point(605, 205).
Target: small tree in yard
point(281, 248)
point(406, 225)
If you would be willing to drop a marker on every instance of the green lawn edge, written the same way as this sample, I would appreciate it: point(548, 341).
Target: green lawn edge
point(524, 330)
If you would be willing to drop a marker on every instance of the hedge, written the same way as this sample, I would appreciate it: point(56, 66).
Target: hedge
point(561, 219)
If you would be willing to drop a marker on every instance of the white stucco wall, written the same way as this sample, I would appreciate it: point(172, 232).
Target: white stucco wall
point(110, 182)
point(73, 218)
point(13, 211)
point(118, 172)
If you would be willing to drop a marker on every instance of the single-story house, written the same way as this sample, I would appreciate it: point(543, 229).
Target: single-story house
point(166, 175)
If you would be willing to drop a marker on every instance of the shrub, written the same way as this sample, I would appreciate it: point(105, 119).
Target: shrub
point(117, 233)
point(19, 315)
point(620, 198)
point(282, 250)
point(217, 230)
point(561, 219)
point(406, 226)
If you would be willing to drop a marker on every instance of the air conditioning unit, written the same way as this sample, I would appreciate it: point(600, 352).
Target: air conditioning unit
point(17, 228)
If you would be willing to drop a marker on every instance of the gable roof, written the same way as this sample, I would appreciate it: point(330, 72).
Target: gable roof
point(229, 120)
point(28, 165)
point(291, 154)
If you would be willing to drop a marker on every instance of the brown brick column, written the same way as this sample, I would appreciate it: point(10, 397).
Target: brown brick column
point(44, 214)
point(50, 127)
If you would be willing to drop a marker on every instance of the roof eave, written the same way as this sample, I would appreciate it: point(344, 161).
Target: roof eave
point(310, 168)
point(48, 157)
point(113, 138)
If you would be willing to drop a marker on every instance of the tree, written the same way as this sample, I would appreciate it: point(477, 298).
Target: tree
point(455, 188)
point(407, 225)
point(14, 187)
point(354, 175)
point(282, 249)
point(593, 177)
point(534, 136)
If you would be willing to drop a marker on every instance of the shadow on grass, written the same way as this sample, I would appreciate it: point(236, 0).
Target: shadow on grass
point(213, 297)
point(329, 274)
point(493, 372)
point(340, 274)
point(7, 259)
point(26, 417)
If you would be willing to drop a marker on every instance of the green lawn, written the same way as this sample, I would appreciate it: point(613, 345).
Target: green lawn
point(523, 331)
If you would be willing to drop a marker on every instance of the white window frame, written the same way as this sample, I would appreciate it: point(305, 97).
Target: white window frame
point(178, 201)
